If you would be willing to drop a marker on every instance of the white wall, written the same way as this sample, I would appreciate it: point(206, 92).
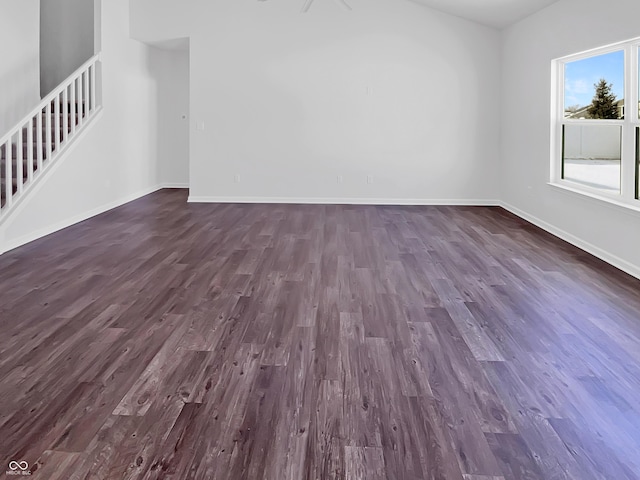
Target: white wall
point(116, 160)
point(291, 101)
point(606, 230)
point(66, 39)
point(154, 21)
point(19, 67)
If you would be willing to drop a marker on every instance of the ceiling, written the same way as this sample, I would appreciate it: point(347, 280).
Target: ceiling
point(494, 13)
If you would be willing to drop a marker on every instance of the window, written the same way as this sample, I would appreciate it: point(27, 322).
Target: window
point(596, 137)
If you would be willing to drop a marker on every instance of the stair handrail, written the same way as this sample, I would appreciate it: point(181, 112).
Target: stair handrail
point(49, 98)
point(43, 134)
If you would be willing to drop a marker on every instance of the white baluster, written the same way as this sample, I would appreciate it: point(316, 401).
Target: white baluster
point(8, 177)
point(72, 107)
point(56, 123)
point(19, 160)
point(47, 132)
point(39, 142)
point(65, 114)
point(85, 105)
point(30, 150)
point(80, 98)
point(93, 87)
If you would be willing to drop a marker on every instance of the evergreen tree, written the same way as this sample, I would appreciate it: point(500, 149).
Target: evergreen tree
point(603, 104)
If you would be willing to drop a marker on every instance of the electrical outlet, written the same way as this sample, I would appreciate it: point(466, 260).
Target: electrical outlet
point(370, 179)
point(200, 126)
point(339, 179)
point(236, 178)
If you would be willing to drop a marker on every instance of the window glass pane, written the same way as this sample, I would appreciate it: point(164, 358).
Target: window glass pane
point(591, 155)
point(594, 87)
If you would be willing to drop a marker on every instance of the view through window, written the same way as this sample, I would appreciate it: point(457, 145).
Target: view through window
point(597, 131)
point(594, 93)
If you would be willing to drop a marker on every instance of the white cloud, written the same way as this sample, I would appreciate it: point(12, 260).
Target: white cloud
point(578, 87)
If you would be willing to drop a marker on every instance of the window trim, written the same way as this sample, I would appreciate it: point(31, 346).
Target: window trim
point(630, 208)
point(629, 166)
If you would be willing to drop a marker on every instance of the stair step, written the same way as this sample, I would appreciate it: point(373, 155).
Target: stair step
point(25, 167)
point(44, 128)
point(14, 151)
point(25, 161)
point(70, 119)
point(44, 131)
point(74, 114)
point(77, 112)
point(71, 104)
point(14, 184)
point(3, 188)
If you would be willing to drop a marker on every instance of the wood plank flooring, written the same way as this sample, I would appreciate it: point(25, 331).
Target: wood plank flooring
point(163, 340)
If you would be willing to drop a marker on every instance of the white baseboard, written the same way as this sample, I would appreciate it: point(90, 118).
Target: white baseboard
point(174, 185)
point(345, 201)
point(48, 230)
point(627, 267)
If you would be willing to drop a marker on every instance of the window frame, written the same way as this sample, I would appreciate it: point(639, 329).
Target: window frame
point(630, 126)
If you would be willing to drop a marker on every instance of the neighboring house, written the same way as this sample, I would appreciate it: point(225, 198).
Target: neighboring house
point(583, 112)
point(580, 113)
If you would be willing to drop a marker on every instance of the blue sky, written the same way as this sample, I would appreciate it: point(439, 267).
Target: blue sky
point(582, 74)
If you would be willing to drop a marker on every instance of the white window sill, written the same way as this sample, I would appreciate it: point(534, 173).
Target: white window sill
point(621, 205)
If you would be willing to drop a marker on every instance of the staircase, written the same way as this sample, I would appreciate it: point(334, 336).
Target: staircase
point(37, 158)
point(32, 146)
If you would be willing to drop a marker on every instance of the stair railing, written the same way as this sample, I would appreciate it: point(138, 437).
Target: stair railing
point(29, 149)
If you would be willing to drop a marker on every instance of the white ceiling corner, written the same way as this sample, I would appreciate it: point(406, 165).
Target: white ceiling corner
point(494, 13)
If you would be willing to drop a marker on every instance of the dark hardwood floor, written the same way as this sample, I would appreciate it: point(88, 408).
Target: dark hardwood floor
point(175, 341)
